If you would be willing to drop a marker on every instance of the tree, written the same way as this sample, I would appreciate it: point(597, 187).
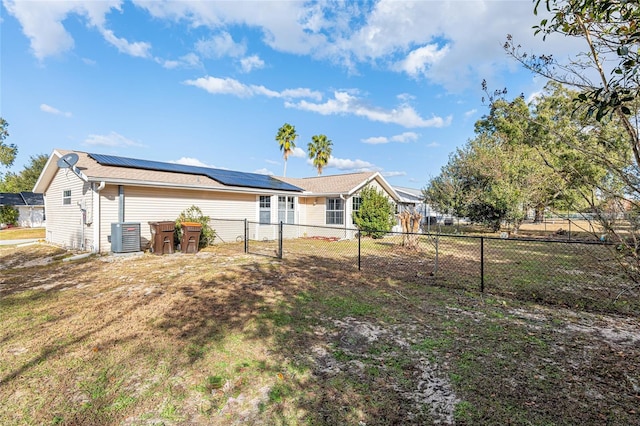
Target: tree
point(320, 151)
point(8, 152)
point(286, 138)
point(610, 31)
point(376, 214)
point(27, 178)
point(9, 215)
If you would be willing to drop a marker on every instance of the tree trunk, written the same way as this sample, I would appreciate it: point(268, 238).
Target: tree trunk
point(539, 215)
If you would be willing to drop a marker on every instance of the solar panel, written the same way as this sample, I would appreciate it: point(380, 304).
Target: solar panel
point(225, 177)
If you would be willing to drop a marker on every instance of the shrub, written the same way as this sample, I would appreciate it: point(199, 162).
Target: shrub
point(194, 214)
point(376, 215)
point(9, 215)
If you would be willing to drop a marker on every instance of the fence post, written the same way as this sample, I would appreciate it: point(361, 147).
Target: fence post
point(280, 240)
point(435, 269)
point(246, 236)
point(481, 264)
point(359, 251)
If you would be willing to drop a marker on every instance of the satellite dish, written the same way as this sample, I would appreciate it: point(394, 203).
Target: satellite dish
point(68, 161)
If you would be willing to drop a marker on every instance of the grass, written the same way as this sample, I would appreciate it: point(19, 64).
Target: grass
point(22, 233)
point(227, 338)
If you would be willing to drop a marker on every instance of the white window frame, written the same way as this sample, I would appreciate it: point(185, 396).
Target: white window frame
point(334, 213)
point(288, 213)
point(264, 206)
point(66, 197)
point(355, 200)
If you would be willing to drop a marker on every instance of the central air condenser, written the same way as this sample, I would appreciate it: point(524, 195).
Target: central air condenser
point(125, 237)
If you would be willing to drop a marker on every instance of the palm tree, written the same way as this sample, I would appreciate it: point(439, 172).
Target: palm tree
point(320, 151)
point(286, 138)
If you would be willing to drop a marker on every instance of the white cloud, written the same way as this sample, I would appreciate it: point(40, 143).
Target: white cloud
point(298, 153)
point(264, 171)
point(190, 161)
point(137, 49)
point(470, 113)
point(190, 60)
point(419, 60)
point(42, 23)
point(230, 86)
point(393, 174)
point(376, 140)
point(112, 140)
point(405, 137)
point(402, 138)
point(275, 163)
point(251, 63)
point(345, 103)
point(51, 110)
point(220, 46)
point(351, 165)
point(433, 145)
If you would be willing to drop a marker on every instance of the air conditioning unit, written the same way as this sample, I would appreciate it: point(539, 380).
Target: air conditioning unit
point(125, 237)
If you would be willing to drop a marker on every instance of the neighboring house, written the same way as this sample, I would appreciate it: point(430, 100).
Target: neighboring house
point(85, 198)
point(30, 207)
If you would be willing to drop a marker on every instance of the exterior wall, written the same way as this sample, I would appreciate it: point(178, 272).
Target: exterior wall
point(149, 204)
point(31, 217)
point(64, 225)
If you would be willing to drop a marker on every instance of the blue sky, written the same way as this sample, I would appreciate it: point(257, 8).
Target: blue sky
point(394, 84)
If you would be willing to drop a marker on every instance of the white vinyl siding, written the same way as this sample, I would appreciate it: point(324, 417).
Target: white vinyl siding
point(147, 204)
point(64, 225)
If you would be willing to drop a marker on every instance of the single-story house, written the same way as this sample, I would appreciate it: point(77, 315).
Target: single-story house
point(85, 193)
point(30, 207)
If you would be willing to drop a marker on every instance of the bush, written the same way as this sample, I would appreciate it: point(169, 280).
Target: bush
point(376, 215)
point(9, 215)
point(194, 214)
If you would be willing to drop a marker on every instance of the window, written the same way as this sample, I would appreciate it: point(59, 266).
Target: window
point(356, 202)
point(265, 209)
point(286, 209)
point(66, 197)
point(335, 211)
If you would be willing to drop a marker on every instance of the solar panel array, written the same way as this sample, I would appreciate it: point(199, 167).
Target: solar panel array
point(225, 177)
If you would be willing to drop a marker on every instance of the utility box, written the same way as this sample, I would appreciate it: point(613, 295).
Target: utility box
point(125, 237)
point(190, 237)
point(162, 237)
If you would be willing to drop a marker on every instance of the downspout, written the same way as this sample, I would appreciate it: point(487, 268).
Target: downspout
point(96, 216)
point(343, 198)
point(120, 203)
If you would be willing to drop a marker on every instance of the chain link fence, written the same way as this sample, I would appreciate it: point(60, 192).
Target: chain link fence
point(584, 274)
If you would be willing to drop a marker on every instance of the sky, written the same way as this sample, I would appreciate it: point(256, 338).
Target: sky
point(395, 85)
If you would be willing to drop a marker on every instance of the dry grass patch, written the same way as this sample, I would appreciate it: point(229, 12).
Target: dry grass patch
point(227, 338)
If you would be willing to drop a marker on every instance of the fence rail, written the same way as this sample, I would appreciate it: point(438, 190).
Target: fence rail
point(581, 273)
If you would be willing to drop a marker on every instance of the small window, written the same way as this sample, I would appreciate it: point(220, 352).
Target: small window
point(265, 209)
point(356, 202)
point(335, 211)
point(66, 197)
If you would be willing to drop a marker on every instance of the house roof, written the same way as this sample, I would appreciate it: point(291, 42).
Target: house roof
point(345, 184)
point(130, 171)
point(409, 195)
point(21, 199)
point(122, 170)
